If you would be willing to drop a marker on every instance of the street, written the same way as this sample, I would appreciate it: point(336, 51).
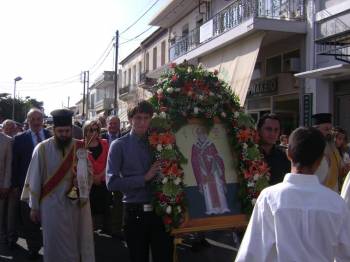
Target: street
point(108, 249)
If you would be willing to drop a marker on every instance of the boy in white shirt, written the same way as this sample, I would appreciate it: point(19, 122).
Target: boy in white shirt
point(299, 219)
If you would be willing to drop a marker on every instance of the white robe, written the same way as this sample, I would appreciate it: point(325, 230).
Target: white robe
point(67, 226)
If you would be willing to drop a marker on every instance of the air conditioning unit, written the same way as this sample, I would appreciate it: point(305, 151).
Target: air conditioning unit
point(292, 65)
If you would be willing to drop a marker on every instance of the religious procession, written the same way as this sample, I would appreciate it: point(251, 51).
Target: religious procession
point(221, 135)
point(63, 181)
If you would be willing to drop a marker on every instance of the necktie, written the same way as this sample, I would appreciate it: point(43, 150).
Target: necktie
point(38, 138)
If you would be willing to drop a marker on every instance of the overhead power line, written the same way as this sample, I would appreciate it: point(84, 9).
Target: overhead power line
point(135, 37)
point(140, 17)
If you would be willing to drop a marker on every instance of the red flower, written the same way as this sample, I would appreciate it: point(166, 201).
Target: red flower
point(174, 78)
point(167, 220)
point(172, 65)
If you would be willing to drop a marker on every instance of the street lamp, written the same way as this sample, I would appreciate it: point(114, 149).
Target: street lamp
point(18, 78)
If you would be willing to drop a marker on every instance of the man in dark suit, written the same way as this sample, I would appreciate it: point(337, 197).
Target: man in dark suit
point(23, 146)
point(113, 129)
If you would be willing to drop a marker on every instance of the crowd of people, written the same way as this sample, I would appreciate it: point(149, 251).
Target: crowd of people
point(43, 171)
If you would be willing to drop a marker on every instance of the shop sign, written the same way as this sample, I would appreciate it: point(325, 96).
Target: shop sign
point(307, 105)
point(264, 87)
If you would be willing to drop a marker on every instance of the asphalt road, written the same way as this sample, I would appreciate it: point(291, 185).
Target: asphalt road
point(107, 249)
point(216, 247)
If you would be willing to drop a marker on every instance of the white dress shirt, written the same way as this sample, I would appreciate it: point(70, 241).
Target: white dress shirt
point(297, 220)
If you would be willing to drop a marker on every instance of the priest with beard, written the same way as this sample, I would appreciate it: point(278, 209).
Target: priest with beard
point(52, 193)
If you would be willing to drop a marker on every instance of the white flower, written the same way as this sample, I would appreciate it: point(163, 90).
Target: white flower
point(160, 91)
point(244, 145)
point(256, 177)
point(253, 201)
point(200, 97)
point(250, 184)
point(170, 90)
point(189, 69)
point(223, 114)
point(219, 96)
point(165, 180)
point(169, 146)
point(162, 114)
point(177, 181)
point(177, 89)
point(155, 115)
point(236, 114)
point(168, 210)
point(195, 110)
point(211, 94)
point(159, 147)
point(179, 209)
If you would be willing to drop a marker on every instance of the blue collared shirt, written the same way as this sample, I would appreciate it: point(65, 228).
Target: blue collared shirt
point(35, 139)
point(129, 159)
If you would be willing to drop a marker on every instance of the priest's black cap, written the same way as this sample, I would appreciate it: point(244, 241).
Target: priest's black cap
point(62, 117)
point(321, 118)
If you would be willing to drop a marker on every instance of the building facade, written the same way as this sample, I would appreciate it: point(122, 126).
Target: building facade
point(141, 68)
point(326, 78)
point(256, 46)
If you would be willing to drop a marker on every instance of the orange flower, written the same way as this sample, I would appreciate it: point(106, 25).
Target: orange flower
point(153, 139)
point(243, 135)
point(166, 138)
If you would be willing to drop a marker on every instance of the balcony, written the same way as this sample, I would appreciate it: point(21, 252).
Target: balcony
point(126, 93)
point(254, 14)
point(104, 104)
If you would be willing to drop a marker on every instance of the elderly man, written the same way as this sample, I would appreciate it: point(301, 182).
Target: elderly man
point(23, 147)
point(113, 129)
point(56, 165)
point(9, 127)
point(7, 234)
point(332, 167)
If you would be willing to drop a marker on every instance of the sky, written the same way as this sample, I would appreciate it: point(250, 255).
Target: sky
point(48, 43)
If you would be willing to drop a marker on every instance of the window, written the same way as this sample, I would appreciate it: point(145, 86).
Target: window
point(134, 75)
point(154, 58)
point(162, 60)
point(124, 78)
point(129, 76)
point(140, 70)
point(274, 65)
point(147, 62)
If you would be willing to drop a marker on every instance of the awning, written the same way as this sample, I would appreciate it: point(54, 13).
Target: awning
point(332, 72)
point(236, 63)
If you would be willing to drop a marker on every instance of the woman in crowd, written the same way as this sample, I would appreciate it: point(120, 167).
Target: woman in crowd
point(100, 197)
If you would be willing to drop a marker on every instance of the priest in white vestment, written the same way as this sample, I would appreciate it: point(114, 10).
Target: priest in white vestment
point(298, 219)
point(66, 222)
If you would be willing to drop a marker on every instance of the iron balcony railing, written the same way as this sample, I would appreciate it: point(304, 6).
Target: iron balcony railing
point(234, 15)
point(124, 90)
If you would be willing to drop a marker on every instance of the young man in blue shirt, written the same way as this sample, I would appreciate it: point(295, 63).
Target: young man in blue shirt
point(130, 169)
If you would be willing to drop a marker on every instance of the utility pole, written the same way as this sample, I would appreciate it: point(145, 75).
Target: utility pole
point(68, 102)
point(87, 93)
point(84, 82)
point(116, 74)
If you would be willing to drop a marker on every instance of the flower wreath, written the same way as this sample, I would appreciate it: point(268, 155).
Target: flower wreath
point(184, 92)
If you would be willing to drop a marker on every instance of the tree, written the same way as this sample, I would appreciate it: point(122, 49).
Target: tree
point(22, 106)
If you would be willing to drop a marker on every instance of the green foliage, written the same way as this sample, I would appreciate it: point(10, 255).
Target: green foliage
point(22, 106)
